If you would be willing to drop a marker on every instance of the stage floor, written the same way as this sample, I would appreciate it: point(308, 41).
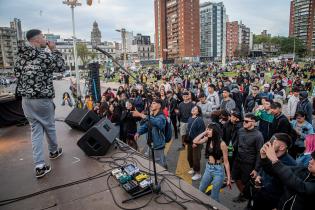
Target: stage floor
point(17, 176)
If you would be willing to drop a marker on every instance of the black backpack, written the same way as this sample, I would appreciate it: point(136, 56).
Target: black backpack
point(168, 130)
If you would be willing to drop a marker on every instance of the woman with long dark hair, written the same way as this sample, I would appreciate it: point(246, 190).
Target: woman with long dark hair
point(195, 127)
point(217, 154)
point(129, 125)
point(66, 98)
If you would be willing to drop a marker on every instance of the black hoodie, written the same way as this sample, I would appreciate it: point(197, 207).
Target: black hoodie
point(299, 185)
point(249, 143)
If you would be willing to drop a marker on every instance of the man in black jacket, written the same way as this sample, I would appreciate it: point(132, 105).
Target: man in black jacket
point(270, 188)
point(252, 100)
point(246, 164)
point(230, 129)
point(280, 122)
point(299, 182)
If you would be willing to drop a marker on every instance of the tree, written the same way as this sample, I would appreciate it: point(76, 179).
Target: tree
point(284, 44)
point(287, 46)
point(84, 53)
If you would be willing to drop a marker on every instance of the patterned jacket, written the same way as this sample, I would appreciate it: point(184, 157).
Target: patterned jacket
point(34, 71)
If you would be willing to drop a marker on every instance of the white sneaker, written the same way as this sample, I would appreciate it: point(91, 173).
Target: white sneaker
point(191, 172)
point(196, 177)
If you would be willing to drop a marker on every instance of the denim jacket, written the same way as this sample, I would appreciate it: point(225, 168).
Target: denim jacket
point(158, 125)
point(305, 129)
point(304, 159)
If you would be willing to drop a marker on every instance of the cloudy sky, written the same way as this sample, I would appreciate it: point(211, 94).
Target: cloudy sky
point(134, 15)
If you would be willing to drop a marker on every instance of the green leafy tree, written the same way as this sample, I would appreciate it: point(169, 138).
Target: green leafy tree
point(84, 54)
point(285, 44)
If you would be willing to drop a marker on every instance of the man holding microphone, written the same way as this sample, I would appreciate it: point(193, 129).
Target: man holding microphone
point(34, 69)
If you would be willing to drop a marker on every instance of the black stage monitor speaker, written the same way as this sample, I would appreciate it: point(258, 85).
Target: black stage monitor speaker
point(81, 119)
point(97, 140)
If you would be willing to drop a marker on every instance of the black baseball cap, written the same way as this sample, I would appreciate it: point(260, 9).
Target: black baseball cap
point(236, 113)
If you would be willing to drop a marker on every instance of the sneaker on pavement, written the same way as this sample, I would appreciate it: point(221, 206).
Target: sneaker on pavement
point(40, 172)
point(196, 177)
point(239, 199)
point(56, 154)
point(191, 172)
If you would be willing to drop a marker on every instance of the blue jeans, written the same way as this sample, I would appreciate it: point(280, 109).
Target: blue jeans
point(214, 175)
point(41, 115)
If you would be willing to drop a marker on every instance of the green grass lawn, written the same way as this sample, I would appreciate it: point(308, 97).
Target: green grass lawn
point(230, 74)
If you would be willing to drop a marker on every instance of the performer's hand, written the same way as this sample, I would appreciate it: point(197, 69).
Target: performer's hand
point(51, 45)
point(136, 137)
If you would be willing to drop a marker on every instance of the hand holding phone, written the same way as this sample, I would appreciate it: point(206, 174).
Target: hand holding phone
point(51, 45)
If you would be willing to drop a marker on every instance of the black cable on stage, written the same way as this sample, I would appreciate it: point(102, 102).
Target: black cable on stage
point(121, 207)
point(194, 199)
point(12, 200)
point(114, 161)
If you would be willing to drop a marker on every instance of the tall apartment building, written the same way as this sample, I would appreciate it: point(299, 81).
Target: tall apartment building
point(239, 39)
point(213, 30)
point(232, 38)
point(291, 25)
point(244, 38)
point(8, 47)
point(302, 22)
point(177, 33)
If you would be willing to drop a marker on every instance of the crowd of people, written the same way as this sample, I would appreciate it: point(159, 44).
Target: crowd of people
point(238, 119)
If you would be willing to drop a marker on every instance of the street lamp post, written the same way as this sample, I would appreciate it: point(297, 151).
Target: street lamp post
point(73, 4)
point(123, 38)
